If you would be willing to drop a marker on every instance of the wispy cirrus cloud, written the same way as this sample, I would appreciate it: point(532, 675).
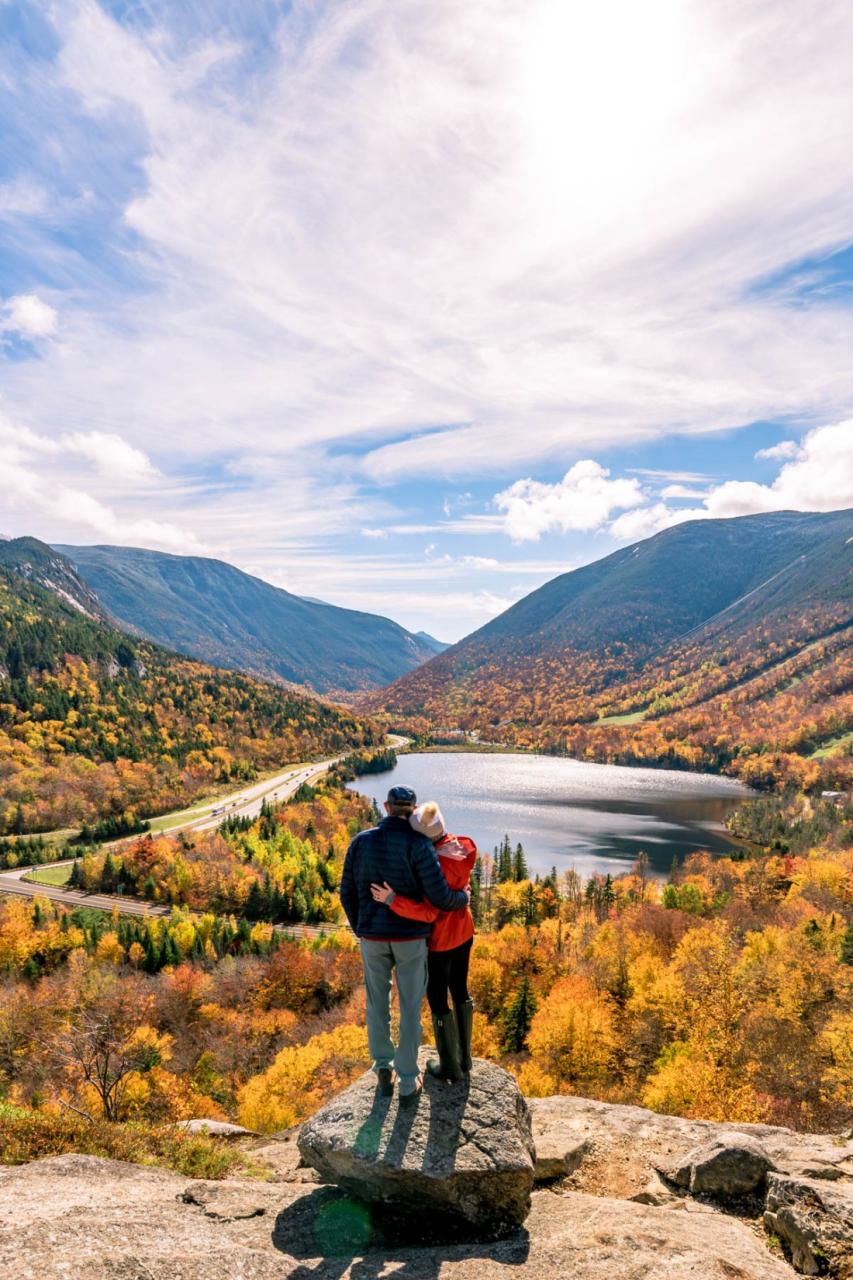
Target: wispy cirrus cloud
point(298, 257)
point(310, 254)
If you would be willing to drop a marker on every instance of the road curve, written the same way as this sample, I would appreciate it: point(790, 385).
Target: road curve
point(244, 803)
point(248, 804)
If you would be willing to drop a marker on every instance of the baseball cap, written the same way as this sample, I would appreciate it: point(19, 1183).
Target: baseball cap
point(402, 795)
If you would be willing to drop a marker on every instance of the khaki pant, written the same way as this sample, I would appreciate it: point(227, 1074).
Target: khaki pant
point(409, 961)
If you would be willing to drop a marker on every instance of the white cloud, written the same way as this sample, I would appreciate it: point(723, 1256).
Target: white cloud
point(374, 533)
point(29, 316)
point(784, 449)
point(818, 478)
point(644, 521)
point(583, 500)
point(487, 238)
point(22, 196)
point(36, 490)
point(682, 491)
point(111, 455)
point(315, 257)
point(682, 477)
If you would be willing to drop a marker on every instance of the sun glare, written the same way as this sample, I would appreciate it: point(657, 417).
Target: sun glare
point(600, 89)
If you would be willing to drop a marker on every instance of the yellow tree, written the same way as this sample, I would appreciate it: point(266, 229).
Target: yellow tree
point(572, 1038)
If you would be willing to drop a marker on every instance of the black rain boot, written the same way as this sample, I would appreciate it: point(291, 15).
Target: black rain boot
point(448, 1066)
point(465, 1024)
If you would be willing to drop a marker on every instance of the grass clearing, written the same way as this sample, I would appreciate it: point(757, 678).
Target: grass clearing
point(56, 876)
point(630, 717)
point(31, 1135)
point(834, 747)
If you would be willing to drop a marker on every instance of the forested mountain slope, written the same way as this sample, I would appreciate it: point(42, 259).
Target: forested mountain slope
point(718, 643)
point(218, 613)
point(95, 722)
point(34, 561)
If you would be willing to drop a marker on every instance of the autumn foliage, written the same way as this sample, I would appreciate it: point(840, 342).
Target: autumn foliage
point(771, 705)
point(725, 993)
point(94, 723)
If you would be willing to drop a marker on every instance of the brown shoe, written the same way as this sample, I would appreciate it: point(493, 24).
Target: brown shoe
point(385, 1076)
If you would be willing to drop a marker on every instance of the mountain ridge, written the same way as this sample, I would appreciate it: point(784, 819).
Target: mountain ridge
point(656, 629)
point(218, 613)
point(96, 722)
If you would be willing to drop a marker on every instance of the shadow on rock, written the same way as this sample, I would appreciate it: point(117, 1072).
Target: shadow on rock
point(445, 1122)
point(369, 1137)
point(331, 1234)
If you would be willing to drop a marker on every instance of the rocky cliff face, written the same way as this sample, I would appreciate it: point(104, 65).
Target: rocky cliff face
point(613, 1202)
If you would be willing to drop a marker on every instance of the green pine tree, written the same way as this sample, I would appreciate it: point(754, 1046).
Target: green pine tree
point(847, 945)
point(517, 1017)
point(519, 864)
point(504, 861)
point(108, 874)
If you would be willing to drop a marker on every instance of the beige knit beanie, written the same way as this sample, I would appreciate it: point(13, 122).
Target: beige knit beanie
point(428, 820)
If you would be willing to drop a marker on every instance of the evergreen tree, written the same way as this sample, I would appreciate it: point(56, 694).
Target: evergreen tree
point(254, 908)
point(517, 1017)
point(503, 858)
point(108, 874)
point(170, 955)
point(847, 945)
point(476, 890)
point(151, 959)
point(519, 864)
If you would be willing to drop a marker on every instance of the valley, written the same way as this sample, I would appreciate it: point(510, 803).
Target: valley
point(629, 947)
point(715, 645)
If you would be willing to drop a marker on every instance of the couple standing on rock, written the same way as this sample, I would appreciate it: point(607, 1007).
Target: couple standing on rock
point(406, 893)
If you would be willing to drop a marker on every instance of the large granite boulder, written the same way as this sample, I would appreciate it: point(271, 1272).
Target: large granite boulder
point(728, 1168)
point(458, 1163)
point(815, 1220)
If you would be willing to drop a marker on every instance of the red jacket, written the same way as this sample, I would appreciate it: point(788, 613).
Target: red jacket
point(456, 855)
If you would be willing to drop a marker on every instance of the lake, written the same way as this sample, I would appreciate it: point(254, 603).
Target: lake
point(567, 813)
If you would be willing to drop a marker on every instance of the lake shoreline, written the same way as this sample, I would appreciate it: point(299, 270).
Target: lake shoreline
point(595, 817)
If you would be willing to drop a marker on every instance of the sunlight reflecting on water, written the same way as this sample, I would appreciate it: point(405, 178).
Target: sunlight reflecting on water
point(594, 817)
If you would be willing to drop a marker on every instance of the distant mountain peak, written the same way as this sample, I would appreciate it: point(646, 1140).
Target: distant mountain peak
point(655, 631)
point(438, 646)
point(219, 614)
point(35, 561)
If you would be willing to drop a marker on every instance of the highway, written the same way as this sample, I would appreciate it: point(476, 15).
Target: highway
point(246, 802)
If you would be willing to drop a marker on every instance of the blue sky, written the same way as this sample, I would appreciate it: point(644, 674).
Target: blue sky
point(412, 306)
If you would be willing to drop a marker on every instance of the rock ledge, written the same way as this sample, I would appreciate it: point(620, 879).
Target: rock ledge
point(459, 1162)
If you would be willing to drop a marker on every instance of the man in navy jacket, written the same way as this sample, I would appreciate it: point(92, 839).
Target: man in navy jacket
point(394, 852)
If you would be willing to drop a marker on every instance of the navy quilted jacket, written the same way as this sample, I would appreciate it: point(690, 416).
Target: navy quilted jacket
point(393, 852)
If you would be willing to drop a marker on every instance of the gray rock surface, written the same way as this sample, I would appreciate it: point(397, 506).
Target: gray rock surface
point(815, 1219)
point(80, 1218)
point(216, 1128)
point(656, 1192)
point(461, 1160)
point(727, 1169)
point(620, 1147)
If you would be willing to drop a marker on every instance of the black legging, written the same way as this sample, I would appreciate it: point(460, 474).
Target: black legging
point(448, 971)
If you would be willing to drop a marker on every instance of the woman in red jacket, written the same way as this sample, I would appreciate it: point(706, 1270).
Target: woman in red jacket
point(449, 945)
